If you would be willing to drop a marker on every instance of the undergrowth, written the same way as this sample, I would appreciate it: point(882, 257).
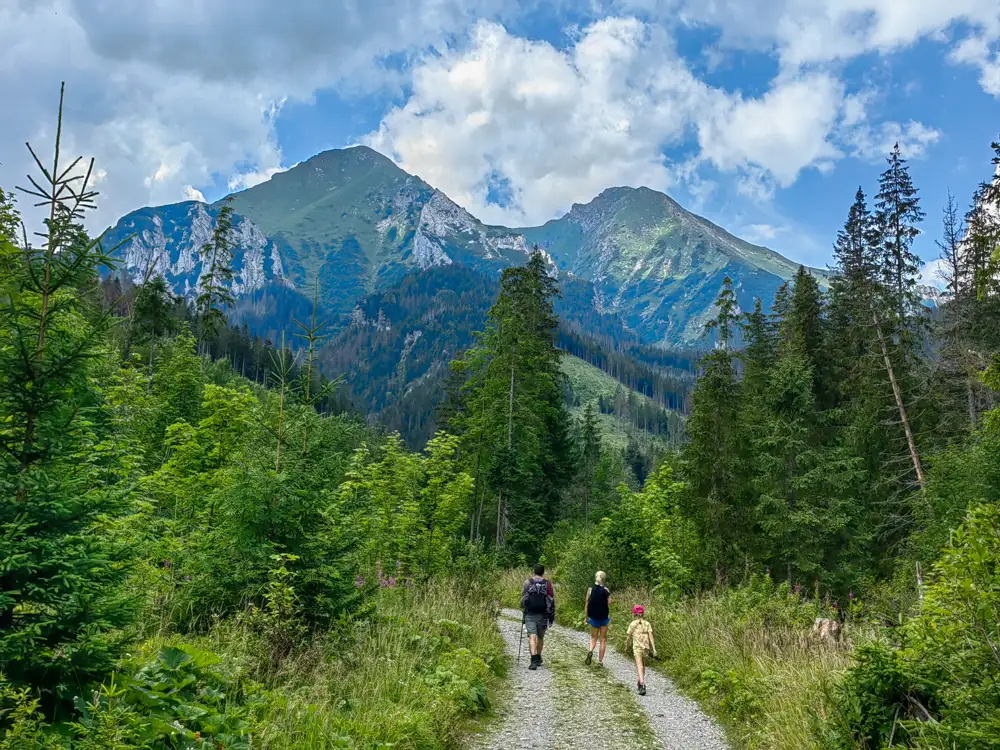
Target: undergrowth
point(409, 674)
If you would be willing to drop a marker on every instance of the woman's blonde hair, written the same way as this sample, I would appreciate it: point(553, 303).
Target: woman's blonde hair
point(600, 578)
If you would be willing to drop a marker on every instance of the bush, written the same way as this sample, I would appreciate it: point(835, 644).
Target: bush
point(939, 685)
point(176, 700)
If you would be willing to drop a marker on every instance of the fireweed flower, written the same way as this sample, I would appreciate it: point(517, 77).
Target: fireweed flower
point(392, 582)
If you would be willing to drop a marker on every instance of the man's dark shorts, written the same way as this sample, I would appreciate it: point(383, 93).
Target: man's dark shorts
point(536, 624)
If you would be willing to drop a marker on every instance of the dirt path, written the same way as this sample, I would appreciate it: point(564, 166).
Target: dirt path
point(567, 704)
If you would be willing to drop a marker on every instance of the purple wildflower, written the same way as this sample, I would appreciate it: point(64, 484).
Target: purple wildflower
point(851, 596)
point(383, 583)
point(392, 582)
point(359, 582)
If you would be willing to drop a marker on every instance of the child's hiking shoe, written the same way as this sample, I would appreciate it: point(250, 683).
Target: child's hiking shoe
point(589, 659)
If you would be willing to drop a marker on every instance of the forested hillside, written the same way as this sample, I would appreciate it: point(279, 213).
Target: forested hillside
point(205, 545)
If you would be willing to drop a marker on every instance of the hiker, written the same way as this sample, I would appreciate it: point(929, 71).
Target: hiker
point(640, 638)
point(595, 609)
point(538, 604)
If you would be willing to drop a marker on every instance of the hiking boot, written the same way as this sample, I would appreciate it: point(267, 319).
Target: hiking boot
point(535, 661)
point(539, 657)
point(590, 658)
point(642, 688)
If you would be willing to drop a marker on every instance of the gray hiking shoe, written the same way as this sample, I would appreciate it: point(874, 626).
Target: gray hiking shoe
point(589, 659)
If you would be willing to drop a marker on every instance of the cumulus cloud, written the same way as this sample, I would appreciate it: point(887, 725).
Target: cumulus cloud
point(975, 50)
point(561, 124)
point(171, 95)
point(557, 125)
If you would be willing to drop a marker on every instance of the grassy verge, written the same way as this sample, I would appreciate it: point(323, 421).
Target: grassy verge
point(411, 675)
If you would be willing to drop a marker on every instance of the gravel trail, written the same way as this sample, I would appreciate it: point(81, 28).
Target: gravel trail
point(569, 705)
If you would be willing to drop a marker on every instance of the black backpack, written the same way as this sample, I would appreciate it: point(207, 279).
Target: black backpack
point(536, 597)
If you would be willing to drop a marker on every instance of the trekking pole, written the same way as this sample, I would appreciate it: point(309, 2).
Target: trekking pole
point(520, 638)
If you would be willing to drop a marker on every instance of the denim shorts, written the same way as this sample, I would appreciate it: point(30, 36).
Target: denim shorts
point(598, 623)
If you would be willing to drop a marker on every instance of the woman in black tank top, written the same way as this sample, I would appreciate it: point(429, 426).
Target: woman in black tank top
point(597, 611)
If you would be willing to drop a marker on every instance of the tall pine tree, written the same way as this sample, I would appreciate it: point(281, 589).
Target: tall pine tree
point(712, 457)
point(513, 421)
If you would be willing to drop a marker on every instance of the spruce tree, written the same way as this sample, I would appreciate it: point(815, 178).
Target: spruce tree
point(59, 585)
point(590, 455)
point(897, 215)
point(712, 457)
point(215, 284)
point(804, 332)
point(513, 421)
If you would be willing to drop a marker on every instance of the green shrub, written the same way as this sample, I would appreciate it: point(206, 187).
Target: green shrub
point(176, 700)
point(939, 686)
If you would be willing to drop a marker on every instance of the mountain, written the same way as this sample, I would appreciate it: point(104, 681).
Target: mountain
point(655, 264)
point(349, 219)
point(632, 260)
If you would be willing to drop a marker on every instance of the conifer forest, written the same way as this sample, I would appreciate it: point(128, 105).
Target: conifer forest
point(222, 533)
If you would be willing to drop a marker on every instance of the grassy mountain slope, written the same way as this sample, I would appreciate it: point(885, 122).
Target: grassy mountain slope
point(587, 384)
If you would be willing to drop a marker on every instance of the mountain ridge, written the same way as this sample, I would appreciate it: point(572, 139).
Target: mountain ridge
point(355, 222)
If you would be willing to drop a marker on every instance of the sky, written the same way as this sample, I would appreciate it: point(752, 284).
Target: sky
point(762, 115)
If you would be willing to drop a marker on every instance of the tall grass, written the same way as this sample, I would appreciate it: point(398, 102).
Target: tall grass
point(412, 676)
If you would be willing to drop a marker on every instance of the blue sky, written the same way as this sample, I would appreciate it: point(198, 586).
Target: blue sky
point(763, 115)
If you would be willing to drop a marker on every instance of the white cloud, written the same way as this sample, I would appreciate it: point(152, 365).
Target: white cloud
point(975, 51)
point(559, 125)
point(171, 95)
point(874, 143)
point(193, 194)
point(783, 132)
point(811, 31)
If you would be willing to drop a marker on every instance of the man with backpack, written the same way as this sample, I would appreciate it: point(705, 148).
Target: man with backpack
point(538, 604)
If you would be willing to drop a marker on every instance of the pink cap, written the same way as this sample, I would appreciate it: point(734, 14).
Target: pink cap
point(638, 610)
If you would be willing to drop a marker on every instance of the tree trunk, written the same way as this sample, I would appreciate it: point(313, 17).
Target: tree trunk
point(971, 396)
point(917, 468)
point(510, 409)
point(499, 537)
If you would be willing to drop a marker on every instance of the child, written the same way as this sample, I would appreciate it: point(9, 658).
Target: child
point(640, 638)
